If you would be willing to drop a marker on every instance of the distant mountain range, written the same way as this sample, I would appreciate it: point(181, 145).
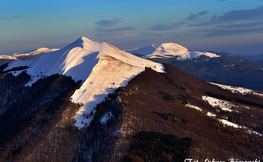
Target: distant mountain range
point(216, 67)
point(252, 58)
point(91, 101)
point(25, 56)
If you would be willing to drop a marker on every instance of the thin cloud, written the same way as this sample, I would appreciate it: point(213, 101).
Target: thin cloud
point(109, 28)
point(203, 13)
point(227, 32)
point(215, 17)
point(162, 27)
point(150, 34)
point(192, 17)
point(235, 16)
point(16, 17)
point(165, 27)
point(243, 25)
point(231, 29)
point(115, 32)
point(108, 23)
point(239, 15)
point(236, 22)
point(168, 27)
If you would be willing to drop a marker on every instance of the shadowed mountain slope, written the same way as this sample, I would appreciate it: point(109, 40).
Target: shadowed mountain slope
point(225, 70)
point(162, 103)
point(168, 108)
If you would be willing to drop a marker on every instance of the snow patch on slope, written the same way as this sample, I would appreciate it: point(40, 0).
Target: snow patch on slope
point(228, 123)
point(194, 107)
point(170, 50)
point(211, 114)
point(106, 117)
point(224, 105)
point(235, 89)
point(254, 132)
point(224, 121)
point(102, 67)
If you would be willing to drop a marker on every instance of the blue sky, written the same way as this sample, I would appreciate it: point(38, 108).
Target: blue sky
point(234, 26)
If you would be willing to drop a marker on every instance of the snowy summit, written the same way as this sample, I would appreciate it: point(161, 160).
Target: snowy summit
point(101, 66)
point(170, 50)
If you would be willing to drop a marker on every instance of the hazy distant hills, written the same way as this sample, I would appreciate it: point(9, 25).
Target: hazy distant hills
point(254, 58)
point(91, 101)
point(216, 67)
point(25, 56)
point(259, 62)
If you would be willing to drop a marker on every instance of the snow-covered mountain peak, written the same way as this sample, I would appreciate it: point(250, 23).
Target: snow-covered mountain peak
point(170, 50)
point(101, 66)
point(172, 47)
point(82, 42)
point(85, 41)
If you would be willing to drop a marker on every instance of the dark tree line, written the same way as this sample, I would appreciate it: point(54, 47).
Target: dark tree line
point(98, 141)
point(37, 122)
point(18, 101)
point(155, 146)
point(30, 115)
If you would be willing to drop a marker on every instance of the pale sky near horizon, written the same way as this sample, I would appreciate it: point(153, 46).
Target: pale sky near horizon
point(234, 26)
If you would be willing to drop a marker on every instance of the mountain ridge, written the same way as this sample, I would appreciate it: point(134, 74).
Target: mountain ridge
point(101, 67)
